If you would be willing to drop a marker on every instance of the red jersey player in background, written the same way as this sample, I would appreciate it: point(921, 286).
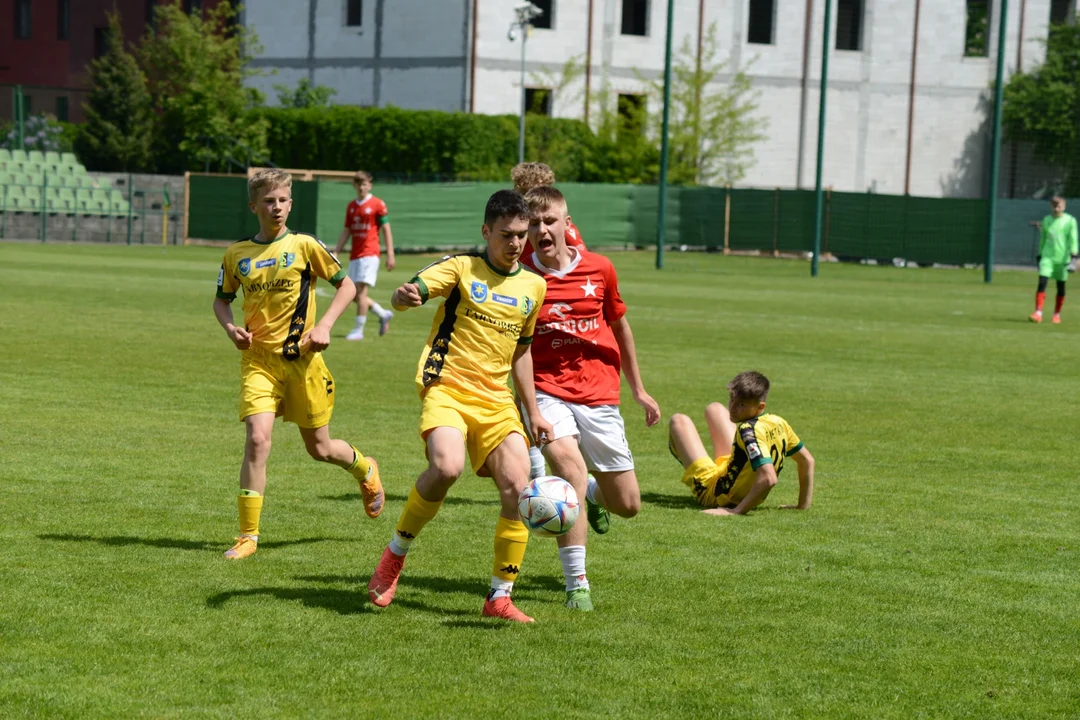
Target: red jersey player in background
point(527, 176)
point(365, 218)
point(582, 341)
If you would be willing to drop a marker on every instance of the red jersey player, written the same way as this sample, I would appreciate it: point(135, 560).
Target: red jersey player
point(365, 218)
point(582, 342)
point(527, 176)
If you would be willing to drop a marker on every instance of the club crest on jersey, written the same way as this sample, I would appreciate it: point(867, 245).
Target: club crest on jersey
point(527, 305)
point(244, 266)
point(287, 259)
point(479, 291)
point(504, 299)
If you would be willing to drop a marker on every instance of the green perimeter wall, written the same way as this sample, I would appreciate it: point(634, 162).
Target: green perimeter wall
point(857, 225)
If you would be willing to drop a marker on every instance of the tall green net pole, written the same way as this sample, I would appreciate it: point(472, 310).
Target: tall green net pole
point(661, 216)
point(995, 144)
point(819, 196)
point(19, 119)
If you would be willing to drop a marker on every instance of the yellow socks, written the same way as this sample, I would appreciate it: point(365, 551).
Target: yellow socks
point(360, 466)
point(417, 513)
point(511, 538)
point(249, 504)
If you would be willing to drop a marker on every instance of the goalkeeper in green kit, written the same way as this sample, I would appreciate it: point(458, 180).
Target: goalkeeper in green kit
point(1057, 248)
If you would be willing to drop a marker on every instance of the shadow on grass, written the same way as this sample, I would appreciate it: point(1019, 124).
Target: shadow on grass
point(343, 602)
point(675, 502)
point(450, 500)
point(170, 543)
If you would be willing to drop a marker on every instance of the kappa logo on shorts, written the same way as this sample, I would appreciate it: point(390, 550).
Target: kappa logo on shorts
point(504, 299)
point(479, 291)
point(287, 259)
point(329, 386)
point(268, 262)
point(244, 266)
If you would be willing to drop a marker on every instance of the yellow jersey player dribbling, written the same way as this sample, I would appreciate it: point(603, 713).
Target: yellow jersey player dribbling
point(281, 366)
point(749, 449)
point(481, 333)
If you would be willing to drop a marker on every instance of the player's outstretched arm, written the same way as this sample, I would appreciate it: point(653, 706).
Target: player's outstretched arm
point(624, 337)
point(765, 482)
point(240, 337)
point(521, 368)
point(342, 238)
point(805, 461)
point(407, 296)
point(318, 338)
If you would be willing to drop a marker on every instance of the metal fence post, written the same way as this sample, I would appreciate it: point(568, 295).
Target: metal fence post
point(44, 206)
point(776, 223)
point(131, 207)
point(818, 194)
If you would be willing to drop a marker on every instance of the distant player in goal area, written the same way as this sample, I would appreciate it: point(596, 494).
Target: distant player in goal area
point(365, 218)
point(749, 450)
point(281, 365)
point(582, 341)
point(1057, 249)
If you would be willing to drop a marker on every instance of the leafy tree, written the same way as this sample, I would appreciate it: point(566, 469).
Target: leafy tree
point(195, 71)
point(712, 125)
point(305, 95)
point(1043, 107)
point(118, 131)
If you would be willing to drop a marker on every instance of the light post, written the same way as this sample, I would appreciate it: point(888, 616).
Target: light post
point(525, 13)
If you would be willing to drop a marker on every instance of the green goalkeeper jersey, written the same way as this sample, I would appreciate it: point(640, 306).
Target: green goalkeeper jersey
point(1059, 239)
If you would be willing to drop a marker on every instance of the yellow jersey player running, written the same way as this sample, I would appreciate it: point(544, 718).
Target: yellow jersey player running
point(281, 366)
point(481, 333)
point(749, 449)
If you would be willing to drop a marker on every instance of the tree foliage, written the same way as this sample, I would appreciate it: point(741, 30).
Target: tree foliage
point(1042, 107)
point(304, 95)
point(195, 70)
point(119, 127)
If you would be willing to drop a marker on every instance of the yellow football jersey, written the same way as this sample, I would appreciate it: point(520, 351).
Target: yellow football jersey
point(278, 278)
point(765, 439)
point(486, 315)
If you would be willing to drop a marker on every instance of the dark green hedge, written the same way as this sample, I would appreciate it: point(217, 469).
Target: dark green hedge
point(429, 144)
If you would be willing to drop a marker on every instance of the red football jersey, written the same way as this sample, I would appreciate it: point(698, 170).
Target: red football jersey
point(575, 356)
point(573, 239)
point(363, 218)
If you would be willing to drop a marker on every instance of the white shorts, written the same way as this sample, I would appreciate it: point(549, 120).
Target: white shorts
point(364, 270)
point(599, 429)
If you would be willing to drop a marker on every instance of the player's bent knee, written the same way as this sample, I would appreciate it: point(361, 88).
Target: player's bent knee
point(445, 471)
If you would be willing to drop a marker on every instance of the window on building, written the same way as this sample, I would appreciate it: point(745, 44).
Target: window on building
point(192, 6)
point(62, 108)
point(547, 20)
point(63, 19)
point(1062, 11)
point(23, 24)
point(538, 101)
point(976, 34)
point(101, 41)
point(354, 13)
point(762, 13)
point(849, 21)
point(631, 114)
point(635, 17)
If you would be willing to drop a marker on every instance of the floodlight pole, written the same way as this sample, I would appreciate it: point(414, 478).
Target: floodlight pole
point(995, 143)
point(661, 216)
point(819, 196)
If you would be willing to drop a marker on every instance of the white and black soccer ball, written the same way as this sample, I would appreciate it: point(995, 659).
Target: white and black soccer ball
point(548, 506)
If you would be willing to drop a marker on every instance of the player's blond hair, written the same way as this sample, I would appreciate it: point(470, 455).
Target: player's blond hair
point(527, 176)
point(544, 198)
point(362, 175)
point(750, 385)
point(268, 179)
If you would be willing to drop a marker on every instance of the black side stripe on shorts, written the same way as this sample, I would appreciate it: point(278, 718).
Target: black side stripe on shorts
point(290, 350)
point(440, 344)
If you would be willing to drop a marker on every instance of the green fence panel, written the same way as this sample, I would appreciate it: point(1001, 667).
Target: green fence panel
point(603, 213)
point(701, 216)
point(752, 219)
point(946, 230)
point(218, 208)
point(1017, 224)
point(795, 221)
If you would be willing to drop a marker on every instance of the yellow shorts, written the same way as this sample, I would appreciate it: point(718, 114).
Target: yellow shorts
point(301, 390)
point(701, 478)
point(483, 425)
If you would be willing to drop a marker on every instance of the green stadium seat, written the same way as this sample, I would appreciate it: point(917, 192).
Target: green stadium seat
point(18, 156)
point(80, 170)
point(52, 158)
point(14, 190)
point(35, 156)
point(7, 178)
point(66, 194)
point(19, 203)
point(67, 181)
point(69, 158)
point(85, 181)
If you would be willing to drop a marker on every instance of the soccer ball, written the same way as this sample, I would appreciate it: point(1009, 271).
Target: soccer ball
point(548, 506)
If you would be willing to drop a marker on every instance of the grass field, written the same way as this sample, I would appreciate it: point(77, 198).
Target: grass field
point(937, 574)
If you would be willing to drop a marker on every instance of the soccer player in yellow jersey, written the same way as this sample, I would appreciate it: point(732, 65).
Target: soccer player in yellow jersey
point(281, 366)
point(749, 449)
point(480, 334)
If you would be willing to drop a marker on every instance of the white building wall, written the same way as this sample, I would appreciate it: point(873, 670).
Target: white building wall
point(420, 55)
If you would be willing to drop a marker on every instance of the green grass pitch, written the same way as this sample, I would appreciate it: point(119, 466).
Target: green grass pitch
point(937, 574)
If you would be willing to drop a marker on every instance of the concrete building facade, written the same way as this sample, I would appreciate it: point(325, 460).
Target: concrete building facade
point(908, 95)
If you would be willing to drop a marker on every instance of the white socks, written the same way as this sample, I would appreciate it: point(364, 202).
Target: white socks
point(499, 588)
point(398, 545)
point(378, 310)
point(361, 320)
point(573, 566)
point(536, 461)
point(594, 494)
